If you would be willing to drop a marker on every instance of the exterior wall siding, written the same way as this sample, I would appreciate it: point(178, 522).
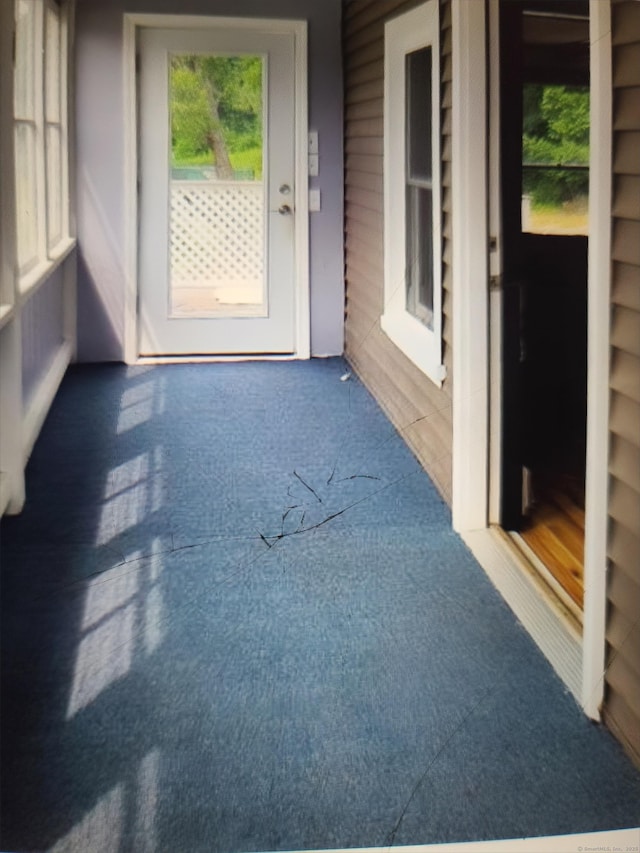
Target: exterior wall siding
point(622, 696)
point(420, 411)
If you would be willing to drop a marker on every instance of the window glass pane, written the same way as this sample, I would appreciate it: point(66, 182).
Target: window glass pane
point(26, 195)
point(54, 186)
point(555, 159)
point(52, 66)
point(24, 86)
point(419, 276)
point(418, 113)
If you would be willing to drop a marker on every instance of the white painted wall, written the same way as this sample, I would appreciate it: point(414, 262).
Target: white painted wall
point(100, 162)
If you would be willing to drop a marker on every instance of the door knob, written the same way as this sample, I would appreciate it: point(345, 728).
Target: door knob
point(285, 189)
point(284, 210)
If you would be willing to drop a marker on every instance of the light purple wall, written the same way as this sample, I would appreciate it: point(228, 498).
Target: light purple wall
point(100, 162)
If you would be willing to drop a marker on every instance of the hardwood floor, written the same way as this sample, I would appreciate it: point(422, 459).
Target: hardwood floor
point(555, 532)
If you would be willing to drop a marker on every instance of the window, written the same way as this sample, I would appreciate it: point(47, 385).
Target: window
point(412, 289)
point(555, 159)
point(40, 127)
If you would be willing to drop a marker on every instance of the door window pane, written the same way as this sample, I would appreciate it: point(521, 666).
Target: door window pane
point(217, 192)
point(555, 159)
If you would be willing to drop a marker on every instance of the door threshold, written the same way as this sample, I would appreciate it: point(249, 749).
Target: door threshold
point(213, 359)
point(546, 575)
point(552, 625)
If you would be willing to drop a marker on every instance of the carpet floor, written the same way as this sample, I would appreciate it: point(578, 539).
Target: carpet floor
point(235, 618)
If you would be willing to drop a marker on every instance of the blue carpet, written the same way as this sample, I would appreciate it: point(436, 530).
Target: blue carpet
point(235, 618)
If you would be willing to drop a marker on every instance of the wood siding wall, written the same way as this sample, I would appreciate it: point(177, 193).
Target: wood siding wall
point(622, 698)
point(418, 409)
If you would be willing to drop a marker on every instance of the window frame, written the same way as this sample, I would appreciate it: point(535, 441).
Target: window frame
point(416, 29)
point(49, 253)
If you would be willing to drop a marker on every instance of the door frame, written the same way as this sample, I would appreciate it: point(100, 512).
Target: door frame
point(576, 653)
point(298, 28)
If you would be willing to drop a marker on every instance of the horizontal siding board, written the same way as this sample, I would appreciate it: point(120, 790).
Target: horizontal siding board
point(626, 68)
point(626, 22)
point(363, 110)
point(372, 90)
point(623, 678)
point(366, 73)
point(625, 330)
point(622, 636)
point(363, 217)
point(364, 199)
point(626, 241)
point(626, 286)
point(622, 693)
point(625, 375)
point(626, 160)
point(370, 13)
point(363, 146)
point(364, 245)
point(625, 417)
point(623, 550)
point(624, 594)
point(368, 163)
point(624, 461)
point(365, 127)
point(623, 723)
point(626, 109)
point(365, 181)
point(624, 504)
point(626, 197)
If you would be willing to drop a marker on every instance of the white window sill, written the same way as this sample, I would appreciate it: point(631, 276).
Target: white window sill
point(417, 342)
point(37, 276)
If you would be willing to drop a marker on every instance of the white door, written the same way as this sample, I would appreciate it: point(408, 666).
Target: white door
point(216, 166)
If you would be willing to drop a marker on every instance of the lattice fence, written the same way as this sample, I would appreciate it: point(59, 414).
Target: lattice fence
point(217, 232)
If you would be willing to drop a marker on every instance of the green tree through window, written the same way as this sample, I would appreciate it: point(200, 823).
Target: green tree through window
point(555, 146)
point(216, 113)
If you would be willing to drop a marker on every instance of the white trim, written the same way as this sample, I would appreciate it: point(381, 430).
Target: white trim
point(551, 626)
point(470, 268)
point(614, 839)
point(42, 398)
point(302, 291)
point(411, 31)
point(495, 266)
point(302, 269)
point(130, 190)
point(39, 275)
point(11, 459)
point(11, 467)
point(599, 296)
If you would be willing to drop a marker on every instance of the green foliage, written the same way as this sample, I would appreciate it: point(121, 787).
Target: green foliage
point(556, 133)
point(249, 160)
point(190, 115)
point(217, 91)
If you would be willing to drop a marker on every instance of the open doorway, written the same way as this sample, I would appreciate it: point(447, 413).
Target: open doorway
point(544, 96)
